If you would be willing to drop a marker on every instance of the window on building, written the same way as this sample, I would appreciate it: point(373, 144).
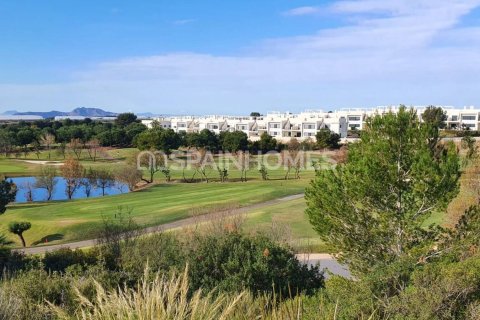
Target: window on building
point(354, 118)
point(469, 117)
point(309, 126)
point(454, 118)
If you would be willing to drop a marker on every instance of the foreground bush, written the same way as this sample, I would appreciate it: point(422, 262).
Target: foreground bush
point(236, 262)
point(227, 261)
point(63, 258)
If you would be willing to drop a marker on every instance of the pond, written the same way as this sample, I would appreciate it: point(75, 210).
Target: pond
point(25, 184)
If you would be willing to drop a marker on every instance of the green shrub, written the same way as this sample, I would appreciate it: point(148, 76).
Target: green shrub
point(161, 251)
point(32, 288)
point(440, 291)
point(63, 258)
point(13, 261)
point(351, 299)
point(235, 262)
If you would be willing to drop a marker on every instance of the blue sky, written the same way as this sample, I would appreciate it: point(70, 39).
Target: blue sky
point(199, 57)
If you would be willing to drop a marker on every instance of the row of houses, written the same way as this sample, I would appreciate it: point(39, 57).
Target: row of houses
point(279, 125)
point(304, 125)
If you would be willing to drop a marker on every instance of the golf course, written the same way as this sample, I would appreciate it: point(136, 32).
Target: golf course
point(55, 222)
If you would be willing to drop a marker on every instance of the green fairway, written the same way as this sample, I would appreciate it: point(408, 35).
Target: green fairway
point(114, 158)
point(14, 167)
point(80, 219)
point(289, 220)
point(65, 221)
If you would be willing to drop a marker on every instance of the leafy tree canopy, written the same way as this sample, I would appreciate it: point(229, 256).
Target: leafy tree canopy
point(8, 191)
point(234, 141)
point(371, 209)
point(435, 116)
point(124, 119)
point(327, 139)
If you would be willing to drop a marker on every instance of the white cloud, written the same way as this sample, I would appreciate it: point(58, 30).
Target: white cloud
point(396, 53)
point(302, 11)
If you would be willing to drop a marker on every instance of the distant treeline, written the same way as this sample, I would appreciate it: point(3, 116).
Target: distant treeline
point(127, 131)
point(120, 133)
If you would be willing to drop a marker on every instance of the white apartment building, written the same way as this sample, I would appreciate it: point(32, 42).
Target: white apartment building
point(282, 126)
point(304, 125)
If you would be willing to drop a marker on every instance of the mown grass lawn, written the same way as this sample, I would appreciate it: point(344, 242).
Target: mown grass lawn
point(290, 221)
point(14, 167)
point(65, 221)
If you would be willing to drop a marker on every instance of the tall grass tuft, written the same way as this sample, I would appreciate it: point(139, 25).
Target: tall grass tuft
point(167, 297)
point(161, 298)
point(9, 306)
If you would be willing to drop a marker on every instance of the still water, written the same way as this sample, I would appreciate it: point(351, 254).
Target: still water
point(24, 184)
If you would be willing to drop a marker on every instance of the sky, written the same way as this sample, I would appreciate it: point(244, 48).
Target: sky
point(234, 57)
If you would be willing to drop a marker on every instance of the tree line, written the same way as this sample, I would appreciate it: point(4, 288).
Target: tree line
point(26, 137)
point(79, 136)
point(167, 140)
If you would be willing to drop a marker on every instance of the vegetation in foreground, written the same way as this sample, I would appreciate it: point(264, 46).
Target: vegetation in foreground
point(222, 270)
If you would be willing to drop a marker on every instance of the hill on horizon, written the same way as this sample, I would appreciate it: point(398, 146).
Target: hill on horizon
point(84, 112)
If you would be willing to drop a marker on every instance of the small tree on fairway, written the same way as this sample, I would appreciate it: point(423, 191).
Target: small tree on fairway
point(292, 158)
point(89, 181)
point(244, 163)
point(37, 148)
point(105, 179)
point(76, 146)
point(19, 228)
point(93, 148)
point(8, 191)
point(46, 180)
point(72, 172)
point(62, 150)
point(154, 161)
point(47, 140)
point(372, 207)
point(129, 175)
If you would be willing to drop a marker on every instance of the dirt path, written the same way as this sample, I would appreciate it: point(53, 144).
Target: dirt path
point(167, 226)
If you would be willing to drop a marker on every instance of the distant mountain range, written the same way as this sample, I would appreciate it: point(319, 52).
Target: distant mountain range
point(84, 112)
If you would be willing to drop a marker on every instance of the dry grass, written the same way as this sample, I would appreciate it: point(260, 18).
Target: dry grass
point(469, 191)
point(168, 298)
point(9, 306)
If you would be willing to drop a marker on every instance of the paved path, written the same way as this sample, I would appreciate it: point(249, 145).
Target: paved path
point(325, 261)
point(167, 226)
